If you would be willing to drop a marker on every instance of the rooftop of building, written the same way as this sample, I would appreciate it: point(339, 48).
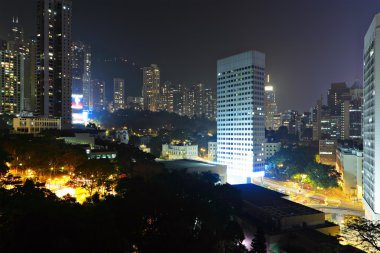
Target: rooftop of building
point(187, 164)
point(271, 202)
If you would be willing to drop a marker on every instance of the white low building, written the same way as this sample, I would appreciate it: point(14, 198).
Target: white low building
point(122, 136)
point(212, 150)
point(35, 125)
point(172, 152)
point(271, 148)
point(349, 162)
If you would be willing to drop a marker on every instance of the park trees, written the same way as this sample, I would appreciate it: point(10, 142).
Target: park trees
point(365, 233)
point(299, 163)
point(96, 175)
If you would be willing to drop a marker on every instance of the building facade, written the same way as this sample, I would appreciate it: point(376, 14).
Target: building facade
point(99, 95)
point(151, 88)
point(173, 152)
point(54, 67)
point(118, 93)
point(11, 82)
point(327, 151)
point(270, 106)
point(349, 162)
point(371, 117)
point(35, 125)
point(81, 73)
point(271, 148)
point(240, 115)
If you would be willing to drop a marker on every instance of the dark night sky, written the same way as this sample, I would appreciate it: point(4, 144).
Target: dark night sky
point(308, 43)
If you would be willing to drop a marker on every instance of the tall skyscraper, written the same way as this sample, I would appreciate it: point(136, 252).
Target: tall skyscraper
point(99, 95)
point(54, 57)
point(118, 93)
point(336, 95)
point(177, 99)
point(11, 82)
point(166, 97)
point(210, 104)
point(270, 106)
point(82, 72)
point(356, 111)
point(240, 115)
point(317, 117)
point(199, 100)
point(371, 118)
point(151, 87)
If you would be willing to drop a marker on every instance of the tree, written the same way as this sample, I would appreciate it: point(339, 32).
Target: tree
point(4, 159)
point(96, 174)
point(258, 244)
point(363, 232)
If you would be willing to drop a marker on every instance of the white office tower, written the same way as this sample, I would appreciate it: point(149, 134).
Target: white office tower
point(371, 120)
point(240, 116)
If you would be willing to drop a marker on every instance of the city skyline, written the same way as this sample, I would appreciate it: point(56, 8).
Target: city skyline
point(333, 54)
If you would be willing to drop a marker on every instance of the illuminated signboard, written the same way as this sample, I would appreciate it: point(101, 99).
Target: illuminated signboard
point(76, 102)
point(79, 116)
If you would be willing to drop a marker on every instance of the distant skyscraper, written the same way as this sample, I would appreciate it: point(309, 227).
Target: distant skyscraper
point(356, 111)
point(371, 118)
point(177, 99)
point(31, 87)
point(82, 72)
point(199, 100)
point(54, 65)
point(270, 106)
point(151, 87)
point(98, 95)
point(11, 82)
point(210, 104)
point(166, 97)
point(317, 116)
point(336, 95)
point(240, 115)
point(118, 93)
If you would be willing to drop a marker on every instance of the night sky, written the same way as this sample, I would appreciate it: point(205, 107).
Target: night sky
point(308, 43)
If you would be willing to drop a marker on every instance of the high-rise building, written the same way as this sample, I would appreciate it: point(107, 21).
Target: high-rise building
point(11, 82)
point(270, 105)
point(31, 89)
point(240, 115)
point(177, 99)
point(81, 73)
point(166, 97)
point(118, 93)
point(18, 46)
point(54, 67)
point(356, 111)
point(188, 105)
point(99, 95)
point(151, 87)
point(317, 116)
point(210, 104)
point(336, 95)
point(371, 117)
point(199, 100)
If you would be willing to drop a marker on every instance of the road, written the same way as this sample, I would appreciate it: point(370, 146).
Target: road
point(327, 204)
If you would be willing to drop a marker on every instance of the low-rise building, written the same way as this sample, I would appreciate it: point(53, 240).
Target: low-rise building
point(172, 152)
point(212, 150)
point(193, 166)
point(35, 125)
point(271, 148)
point(282, 220)
point(122, 136)
point(80, 139)
point(349, 162)
point(327, 152)
point(101, 154)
